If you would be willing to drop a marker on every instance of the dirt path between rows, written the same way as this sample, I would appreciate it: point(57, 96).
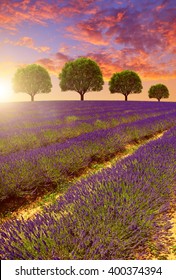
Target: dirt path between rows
point(28, 211)
point(35, 207)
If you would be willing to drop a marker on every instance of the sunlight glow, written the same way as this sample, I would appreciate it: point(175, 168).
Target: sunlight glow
point(5, 90)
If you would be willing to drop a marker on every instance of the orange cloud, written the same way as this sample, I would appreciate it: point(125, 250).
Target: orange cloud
point(93, 30)
point(159, 7)
point(111, 61)
point(64, 49)
point(140, 38)
point(15, 13)
point(40, 11)
point(54, 65)
point(27, 42)
point(86, 33)
point(147, 66)
point(49, 64)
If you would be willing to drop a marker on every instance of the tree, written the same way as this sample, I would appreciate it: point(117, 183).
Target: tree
point(158, 91)
point(32, 79)
point(81, 75)
point(125, 82)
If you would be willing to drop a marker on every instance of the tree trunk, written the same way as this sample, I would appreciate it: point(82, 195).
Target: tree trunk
point(158, 100)
point(126, 97)
point(82, 96)
point(32, 97)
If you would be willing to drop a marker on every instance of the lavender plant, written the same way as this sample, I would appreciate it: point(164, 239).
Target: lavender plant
point(54, 163)
point(106, 216)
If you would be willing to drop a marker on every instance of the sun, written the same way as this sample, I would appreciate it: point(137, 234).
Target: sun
point(5, 90)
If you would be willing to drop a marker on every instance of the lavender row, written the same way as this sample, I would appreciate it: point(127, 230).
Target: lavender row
point(124, 133)
point(53, 165)
point(44, 135)
point(22, 116)
point(107, 216)
point(22, 134)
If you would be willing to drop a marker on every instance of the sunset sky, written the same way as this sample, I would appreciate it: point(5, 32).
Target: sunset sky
point(119, 35)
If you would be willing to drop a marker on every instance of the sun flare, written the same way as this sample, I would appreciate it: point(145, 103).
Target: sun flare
point(5, 90)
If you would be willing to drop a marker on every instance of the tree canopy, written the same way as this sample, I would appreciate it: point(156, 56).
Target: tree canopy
point(32, 79)
point(81, 75)
point(125, 82)
point(158, 91)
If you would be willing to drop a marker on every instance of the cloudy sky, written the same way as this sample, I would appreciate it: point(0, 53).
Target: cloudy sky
point(119, 35)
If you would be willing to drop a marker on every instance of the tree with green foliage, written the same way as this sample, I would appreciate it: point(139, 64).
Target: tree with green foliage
point(32, 79)
point(125, 82)
point(81, 75)
point(158, 91)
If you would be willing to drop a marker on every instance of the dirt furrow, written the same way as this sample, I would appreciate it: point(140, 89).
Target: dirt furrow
point(36, 206)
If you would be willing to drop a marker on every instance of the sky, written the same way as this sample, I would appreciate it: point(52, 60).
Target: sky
point(119, 35)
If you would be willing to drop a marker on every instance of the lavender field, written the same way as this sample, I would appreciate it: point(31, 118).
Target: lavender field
point(111, 214)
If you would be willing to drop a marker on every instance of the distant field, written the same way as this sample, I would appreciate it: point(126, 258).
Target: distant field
point(43, 145)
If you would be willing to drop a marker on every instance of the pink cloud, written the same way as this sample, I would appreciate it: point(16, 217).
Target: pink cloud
point(141, 37)
point(48, 64)
point(64, 49)
point(161, 6)
point(87, 33)
point(93, 30)
point(147, 66)
point(40, 11)
point(111, 61)
point(27, 42)
point(15, 13)
point(55, 64)
point(62, 57)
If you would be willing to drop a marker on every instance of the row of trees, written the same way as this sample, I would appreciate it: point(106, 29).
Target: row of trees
point(82, 75)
